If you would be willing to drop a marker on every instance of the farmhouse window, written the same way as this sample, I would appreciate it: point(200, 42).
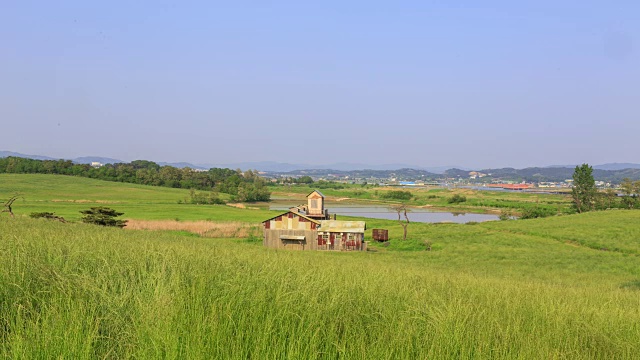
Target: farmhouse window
point(292, 237)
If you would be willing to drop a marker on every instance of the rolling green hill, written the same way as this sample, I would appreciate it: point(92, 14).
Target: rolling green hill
point(67, 195)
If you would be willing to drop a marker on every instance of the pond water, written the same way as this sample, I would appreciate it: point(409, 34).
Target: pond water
point(415, 215)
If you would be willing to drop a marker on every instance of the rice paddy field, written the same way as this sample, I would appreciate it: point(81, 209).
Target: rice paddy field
point(565, 287)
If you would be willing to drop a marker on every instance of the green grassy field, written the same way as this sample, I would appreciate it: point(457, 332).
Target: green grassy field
point(562, 287)
point(67, 196)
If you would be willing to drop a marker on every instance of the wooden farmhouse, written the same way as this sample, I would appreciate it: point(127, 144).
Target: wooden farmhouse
point(307, 227)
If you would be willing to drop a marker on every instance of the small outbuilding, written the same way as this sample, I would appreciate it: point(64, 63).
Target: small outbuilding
point(380, 235)
point(341, 235)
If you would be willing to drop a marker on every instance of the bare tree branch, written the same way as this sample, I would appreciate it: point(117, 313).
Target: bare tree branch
point(402, 209)
point(9, 203)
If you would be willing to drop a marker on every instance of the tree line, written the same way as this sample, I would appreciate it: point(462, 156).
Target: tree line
point(242, 186)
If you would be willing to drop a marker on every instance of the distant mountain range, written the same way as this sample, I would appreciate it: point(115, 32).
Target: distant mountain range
point(355, 168)
point(4, 154)
point(79, 160)
point(271, 166)
point(608, 166)
point(100, 159)
point(90, 159)
point(616, 166)
point(181, 165)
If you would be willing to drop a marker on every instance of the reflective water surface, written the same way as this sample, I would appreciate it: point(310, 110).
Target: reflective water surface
point(383, 212)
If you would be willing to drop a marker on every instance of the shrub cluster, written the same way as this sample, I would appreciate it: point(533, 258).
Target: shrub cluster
point(456, 199)
point(323, 184)
point(397, 195)
point(211, 198)
point(505, 215)
point(536, 212)
point(47, 215)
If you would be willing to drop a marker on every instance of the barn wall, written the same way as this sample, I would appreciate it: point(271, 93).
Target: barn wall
point(272, 239)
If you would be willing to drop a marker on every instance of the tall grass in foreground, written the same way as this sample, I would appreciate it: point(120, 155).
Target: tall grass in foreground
point(80, 291)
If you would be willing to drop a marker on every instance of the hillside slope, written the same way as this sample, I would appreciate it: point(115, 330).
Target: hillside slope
point(67, 195)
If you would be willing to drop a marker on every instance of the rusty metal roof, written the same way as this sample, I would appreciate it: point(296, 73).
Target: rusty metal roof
point(295, 213)
point(342, 226)
point(318, 191)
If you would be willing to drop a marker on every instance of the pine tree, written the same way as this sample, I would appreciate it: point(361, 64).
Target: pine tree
point(103, 216)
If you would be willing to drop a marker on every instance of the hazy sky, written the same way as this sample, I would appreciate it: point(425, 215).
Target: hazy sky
point(428, 83)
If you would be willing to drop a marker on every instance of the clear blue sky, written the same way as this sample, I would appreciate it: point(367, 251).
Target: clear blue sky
point(429, 83)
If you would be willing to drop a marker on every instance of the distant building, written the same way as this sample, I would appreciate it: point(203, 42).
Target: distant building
point(308, 227)
point(96, 164)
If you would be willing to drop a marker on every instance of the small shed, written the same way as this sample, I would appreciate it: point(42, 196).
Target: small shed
point(380, 234)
